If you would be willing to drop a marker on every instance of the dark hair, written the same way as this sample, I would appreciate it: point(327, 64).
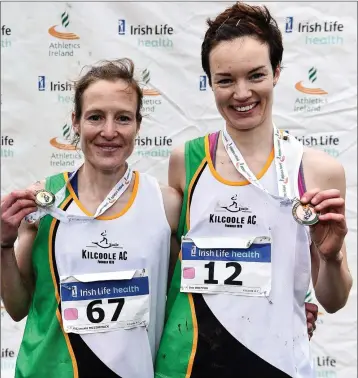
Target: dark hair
point(122, 69)
point(242, 20)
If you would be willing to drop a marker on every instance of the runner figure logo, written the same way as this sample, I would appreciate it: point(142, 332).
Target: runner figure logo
point(104, 242)
point(234, 206)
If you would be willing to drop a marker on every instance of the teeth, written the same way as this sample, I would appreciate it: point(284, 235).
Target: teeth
point(244, 108)
point(108, 148)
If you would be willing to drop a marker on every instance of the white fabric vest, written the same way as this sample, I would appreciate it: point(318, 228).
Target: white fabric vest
point(277, 331)
point(142, 231)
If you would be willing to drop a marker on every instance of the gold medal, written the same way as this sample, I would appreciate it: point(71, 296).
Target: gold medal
point(44, 198)
point(305, 214)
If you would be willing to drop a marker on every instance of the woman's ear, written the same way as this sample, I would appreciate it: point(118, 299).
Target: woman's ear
point(75, 124)
point(276, 75)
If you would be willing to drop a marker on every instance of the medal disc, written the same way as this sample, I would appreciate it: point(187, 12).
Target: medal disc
point(305, 214)
point(44, 198)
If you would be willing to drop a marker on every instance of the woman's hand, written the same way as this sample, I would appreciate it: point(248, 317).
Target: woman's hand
point(14, 207)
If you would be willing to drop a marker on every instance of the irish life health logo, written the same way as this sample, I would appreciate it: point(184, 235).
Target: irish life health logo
point(65, 46)
point(158, 146)
point(8, 352)
point(7, 146)
point(317, 32)
point(5, 37)
point(65, 153)
point(313, 97)
point(63, 89)
point(329, 143)
point(326, 366)
point(149, 36)
point(202, 83)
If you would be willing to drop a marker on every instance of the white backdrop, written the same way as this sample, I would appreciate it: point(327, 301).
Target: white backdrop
point(44, 46)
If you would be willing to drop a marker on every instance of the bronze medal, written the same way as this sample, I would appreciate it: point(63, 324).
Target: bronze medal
point(44, 198)
point(305, 214)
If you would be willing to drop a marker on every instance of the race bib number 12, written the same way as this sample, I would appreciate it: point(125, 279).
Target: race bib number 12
point(238, 271)
point(104, 304)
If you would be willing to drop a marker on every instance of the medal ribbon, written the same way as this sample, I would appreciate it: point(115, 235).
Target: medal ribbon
point(108, 202)
point(241, 166)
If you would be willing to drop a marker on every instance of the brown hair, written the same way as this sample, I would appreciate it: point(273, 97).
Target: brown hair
point(122, 69)
point(242, 20)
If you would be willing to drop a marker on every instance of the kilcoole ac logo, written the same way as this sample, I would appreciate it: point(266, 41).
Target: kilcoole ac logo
point(236, 214)
point(104, 251)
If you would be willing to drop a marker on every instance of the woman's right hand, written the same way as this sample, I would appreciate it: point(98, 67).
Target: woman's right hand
point(14, 207)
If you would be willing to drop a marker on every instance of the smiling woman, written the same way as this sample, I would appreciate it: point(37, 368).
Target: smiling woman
point(92, 290)
point(98, 111)
point(242, 307)
point(243, 84)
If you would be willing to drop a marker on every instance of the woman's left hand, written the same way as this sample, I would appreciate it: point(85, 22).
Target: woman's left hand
point(329, 233)
point(311, 316)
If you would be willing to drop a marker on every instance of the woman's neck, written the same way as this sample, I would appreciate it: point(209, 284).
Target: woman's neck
point(258, 140)
point(98, 183)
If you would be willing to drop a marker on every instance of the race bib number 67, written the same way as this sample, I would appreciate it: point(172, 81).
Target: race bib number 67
point(104, 305)
point(238, 271)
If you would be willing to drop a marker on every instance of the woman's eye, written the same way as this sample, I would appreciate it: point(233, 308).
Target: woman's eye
point(94, 117)
point(224, 81)
point(257, 76)
point(124, 118)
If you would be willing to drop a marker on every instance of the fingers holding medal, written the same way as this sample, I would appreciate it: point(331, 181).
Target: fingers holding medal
point(329, 233)
point(328, 204)
point(22, 204)
point(14, 208)
point(316, 205)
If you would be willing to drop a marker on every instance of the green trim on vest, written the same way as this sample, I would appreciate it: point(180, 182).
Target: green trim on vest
point(43, 351)
point(194, 155)
point(177, 339)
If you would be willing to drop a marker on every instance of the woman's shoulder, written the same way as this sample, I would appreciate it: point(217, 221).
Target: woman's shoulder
point(322, 170)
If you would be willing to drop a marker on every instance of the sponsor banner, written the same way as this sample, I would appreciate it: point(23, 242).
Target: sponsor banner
point(11, 335)
point(315, 100)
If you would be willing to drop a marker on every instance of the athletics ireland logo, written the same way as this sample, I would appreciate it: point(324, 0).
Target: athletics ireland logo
point(146, 80)
point(310, 87)
point(63, 34)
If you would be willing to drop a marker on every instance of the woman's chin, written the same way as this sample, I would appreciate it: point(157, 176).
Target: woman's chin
point(108, 165)
point(244, 125)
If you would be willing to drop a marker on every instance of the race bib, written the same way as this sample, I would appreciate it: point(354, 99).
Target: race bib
point(241, 270)
point(104, 302)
